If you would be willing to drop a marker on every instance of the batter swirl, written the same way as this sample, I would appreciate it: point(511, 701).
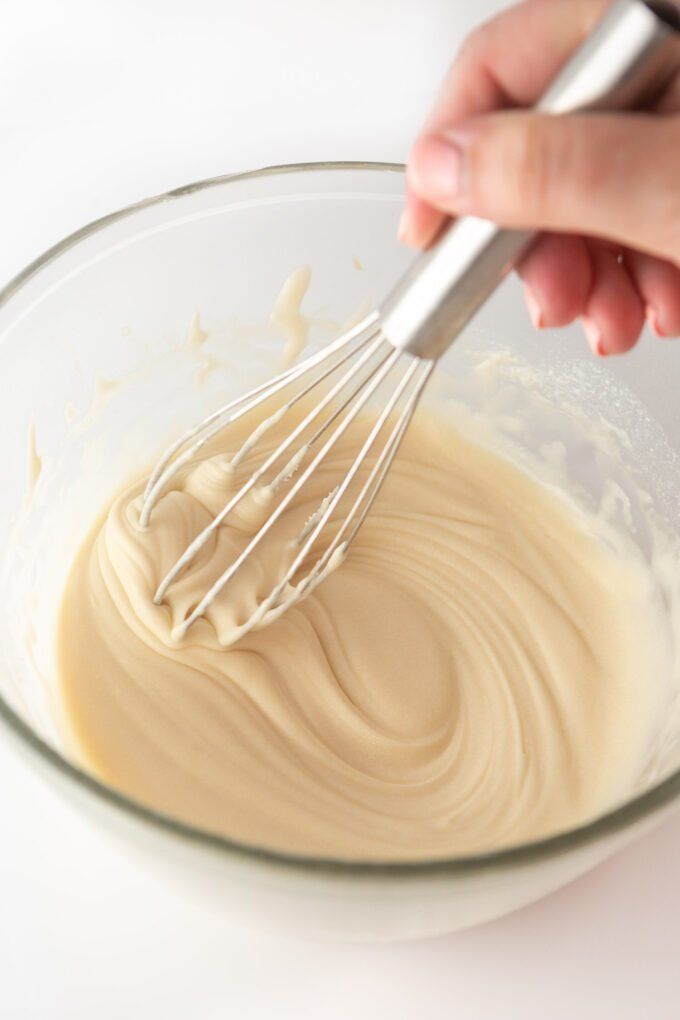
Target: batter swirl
point(469, 678)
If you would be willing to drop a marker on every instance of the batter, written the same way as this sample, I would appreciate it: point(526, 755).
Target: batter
point(480, 671)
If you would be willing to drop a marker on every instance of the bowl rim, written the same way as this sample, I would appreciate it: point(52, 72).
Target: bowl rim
point(614, 821)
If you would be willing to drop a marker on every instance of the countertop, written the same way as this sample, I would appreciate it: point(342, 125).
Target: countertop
point(102, 104)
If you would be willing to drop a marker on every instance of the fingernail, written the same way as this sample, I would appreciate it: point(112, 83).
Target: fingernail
point(440, 169)
point(404, 226)
point(535, 311)
point(594, 337)
point(652, 317)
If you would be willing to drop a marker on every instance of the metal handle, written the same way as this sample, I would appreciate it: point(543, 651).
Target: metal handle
point(628, 58)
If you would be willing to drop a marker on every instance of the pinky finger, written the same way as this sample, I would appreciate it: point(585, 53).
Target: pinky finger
point(659, 285)
point(613, 316)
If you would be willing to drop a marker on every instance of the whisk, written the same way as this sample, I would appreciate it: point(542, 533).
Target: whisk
point(629, 56)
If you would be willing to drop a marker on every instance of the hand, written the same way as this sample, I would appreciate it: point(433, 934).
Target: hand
point(605, 188)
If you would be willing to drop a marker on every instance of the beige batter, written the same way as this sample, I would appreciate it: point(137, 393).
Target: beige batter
point(480, 671)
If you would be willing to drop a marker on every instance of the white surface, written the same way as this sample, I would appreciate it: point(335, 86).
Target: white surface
point(104, 103)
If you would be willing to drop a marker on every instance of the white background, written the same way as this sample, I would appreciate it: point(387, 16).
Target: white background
point(102, 103)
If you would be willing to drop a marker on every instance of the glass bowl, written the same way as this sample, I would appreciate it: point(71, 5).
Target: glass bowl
point(94, 354)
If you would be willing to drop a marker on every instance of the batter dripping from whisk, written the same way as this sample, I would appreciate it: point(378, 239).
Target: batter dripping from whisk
point(468, 679)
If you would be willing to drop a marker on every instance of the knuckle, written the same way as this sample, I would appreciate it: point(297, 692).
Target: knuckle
point(537, 157)
point(475, 42)
point(669, 219)
point(552, 158)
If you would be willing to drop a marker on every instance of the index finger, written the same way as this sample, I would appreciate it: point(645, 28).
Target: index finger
point(508, 61)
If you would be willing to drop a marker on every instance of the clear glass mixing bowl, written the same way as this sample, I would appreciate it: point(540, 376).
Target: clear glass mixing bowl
point(112, 304)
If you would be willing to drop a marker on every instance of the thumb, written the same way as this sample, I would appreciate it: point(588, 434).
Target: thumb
point(609, 175)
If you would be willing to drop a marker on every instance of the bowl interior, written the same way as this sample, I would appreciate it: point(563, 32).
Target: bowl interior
point(100, 373)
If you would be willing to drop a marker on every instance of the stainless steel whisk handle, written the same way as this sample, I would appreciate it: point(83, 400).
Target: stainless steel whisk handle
point(628, 58)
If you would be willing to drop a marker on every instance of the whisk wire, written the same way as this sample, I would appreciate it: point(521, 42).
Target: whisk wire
point(169, 464)
point(371, 486)
point(197, 544)
point(272, 607)
point(225, 577)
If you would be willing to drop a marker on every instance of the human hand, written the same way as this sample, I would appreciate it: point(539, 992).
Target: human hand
point(604, 188)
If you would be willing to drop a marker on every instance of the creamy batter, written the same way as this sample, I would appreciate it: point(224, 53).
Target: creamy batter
point(480, 671)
